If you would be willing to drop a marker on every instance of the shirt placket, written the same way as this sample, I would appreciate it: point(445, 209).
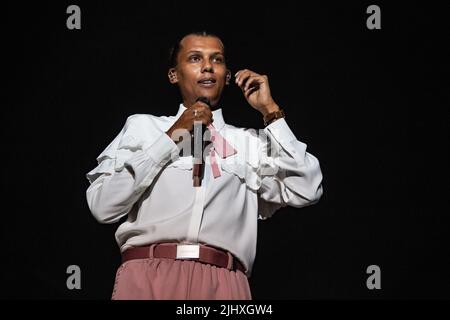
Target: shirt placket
point(198, 207)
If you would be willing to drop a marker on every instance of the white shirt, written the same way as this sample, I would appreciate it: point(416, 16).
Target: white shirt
point(142, 175)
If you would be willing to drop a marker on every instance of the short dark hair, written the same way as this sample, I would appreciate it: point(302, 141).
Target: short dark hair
point(173, 54)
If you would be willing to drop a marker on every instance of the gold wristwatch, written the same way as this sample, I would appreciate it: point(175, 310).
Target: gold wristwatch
point(271, 117)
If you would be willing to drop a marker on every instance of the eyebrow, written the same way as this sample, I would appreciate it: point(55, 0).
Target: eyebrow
point(197, 51)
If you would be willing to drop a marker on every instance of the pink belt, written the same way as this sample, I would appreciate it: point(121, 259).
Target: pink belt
point(208, 255)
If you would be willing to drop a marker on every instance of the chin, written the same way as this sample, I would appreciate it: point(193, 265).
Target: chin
point(211, 96)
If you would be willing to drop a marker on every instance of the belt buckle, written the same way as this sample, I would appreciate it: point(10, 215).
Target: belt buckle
point(188, 251)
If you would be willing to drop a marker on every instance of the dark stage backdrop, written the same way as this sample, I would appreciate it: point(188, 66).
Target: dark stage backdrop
point(371, 105)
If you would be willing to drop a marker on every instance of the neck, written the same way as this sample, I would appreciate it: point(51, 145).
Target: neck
point(188, 103)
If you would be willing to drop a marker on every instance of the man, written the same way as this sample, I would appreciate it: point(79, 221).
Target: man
point(190, 235)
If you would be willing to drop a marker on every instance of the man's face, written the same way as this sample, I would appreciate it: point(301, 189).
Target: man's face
point(201, 70)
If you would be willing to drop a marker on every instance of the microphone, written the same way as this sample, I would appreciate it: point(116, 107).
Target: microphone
point(198, 142)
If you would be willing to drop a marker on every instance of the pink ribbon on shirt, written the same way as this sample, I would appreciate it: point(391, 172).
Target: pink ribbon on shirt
point(221, 146)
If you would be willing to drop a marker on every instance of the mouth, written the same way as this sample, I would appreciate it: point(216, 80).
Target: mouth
point(207, 82)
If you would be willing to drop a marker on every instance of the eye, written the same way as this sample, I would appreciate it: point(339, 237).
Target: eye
point(219, 59)
point(194, 58)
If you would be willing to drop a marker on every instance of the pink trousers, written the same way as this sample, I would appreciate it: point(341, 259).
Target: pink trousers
point(169, 279)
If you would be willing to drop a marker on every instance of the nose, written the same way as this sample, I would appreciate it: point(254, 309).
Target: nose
point(207, 66)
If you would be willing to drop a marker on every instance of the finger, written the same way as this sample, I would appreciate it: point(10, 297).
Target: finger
point(206, 120)
point(252, 81)
point(200, 105)
point(237, 73)
point(240, 80)
point(247, 80)
point(236, 76)
point(197, 114)
point(201, 108)
point(243, 77)
point(241, 71)
point(250, 91)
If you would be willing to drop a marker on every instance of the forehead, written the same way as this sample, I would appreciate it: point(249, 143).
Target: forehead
point(201, 43)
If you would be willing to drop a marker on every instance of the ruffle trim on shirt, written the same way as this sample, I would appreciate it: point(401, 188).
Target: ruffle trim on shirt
point(138, 133)
point(252, 164)
point(242, 169)
point(105, 166)
point(249, 163)
point(183, 163)
point(252, 173)
point(253, 179)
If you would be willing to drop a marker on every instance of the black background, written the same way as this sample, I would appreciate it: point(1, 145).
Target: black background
point(370, 104)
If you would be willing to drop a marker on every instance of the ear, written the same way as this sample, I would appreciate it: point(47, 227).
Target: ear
point(173, 77)
point(228, 77)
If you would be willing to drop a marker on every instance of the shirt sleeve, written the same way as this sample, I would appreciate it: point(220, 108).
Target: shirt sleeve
point(113, 194)
point(290, 176)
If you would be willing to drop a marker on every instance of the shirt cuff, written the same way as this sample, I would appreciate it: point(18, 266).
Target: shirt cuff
point(280, 131)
